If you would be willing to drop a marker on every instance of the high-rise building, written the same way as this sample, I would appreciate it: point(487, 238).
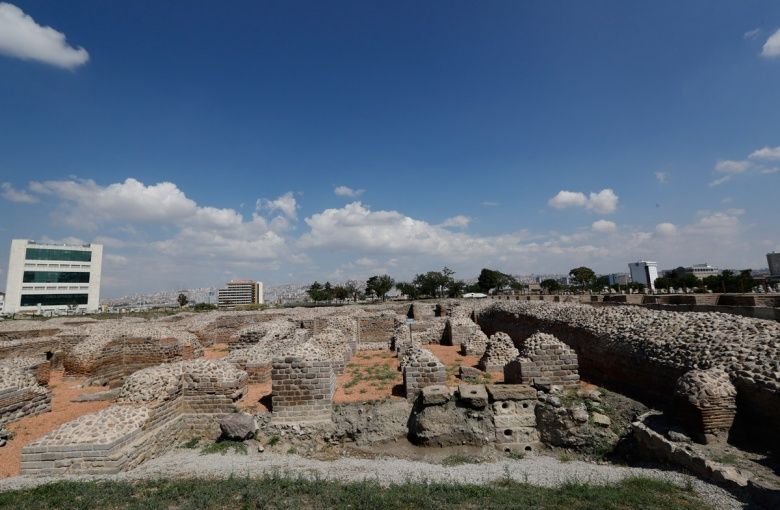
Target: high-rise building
point(241, 292)
point(45, 277)
point(773, 259)
point(644, 272)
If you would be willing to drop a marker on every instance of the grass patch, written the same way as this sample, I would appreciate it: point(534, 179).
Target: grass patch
point(565, 457)
point(281, 492)
point(377, 376)
point(515, 455)
point(457, 460)
point(222, 447)
point(292, 450)
point(192, 443)
point(273, 440)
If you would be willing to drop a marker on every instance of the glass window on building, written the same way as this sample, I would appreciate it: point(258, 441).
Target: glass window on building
point(55, 277)
point(52, 254)
point(54, 299)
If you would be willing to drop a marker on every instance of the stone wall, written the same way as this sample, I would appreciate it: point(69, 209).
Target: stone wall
point(22, 388)
point(121, 357)
point(705, 400)
point(642, 352)
point(375, 332)
point(302, 389)
point(157, 409)
point(420, 369)
point(544, 360)
point(498, 352)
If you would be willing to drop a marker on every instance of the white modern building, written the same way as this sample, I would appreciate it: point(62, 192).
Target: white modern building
point(46, 277)
point(241, 292)
point(644, 272)
point(773, 259)
point(702, 271)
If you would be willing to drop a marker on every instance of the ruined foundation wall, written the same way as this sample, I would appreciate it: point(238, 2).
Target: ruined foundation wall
point(302, 390)
point(622, 366)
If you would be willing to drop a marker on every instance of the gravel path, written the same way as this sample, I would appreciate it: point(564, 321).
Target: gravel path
point(537, 470)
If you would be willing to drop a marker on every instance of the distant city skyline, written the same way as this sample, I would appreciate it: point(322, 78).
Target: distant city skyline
point(288, 142)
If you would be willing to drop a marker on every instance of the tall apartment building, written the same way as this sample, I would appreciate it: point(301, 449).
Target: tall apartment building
point(773, 259)
point(644, 272)
point(44, 277)
point(241, 292)
point(619, 279)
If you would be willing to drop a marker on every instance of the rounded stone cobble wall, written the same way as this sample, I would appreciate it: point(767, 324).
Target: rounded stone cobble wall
point(706, 401)
point(642, 352)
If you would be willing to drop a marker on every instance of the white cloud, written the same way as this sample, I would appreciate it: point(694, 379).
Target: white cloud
point(726, 166)
point(752, 34)
point(719, 181)
point(346, 191)
point(23, 38)
point(459, 221)
point(662, 177)
point(366, 262)
point(8, 192)
point(603, 202)
point(490, 204)
point(666, 229)
point(286, 204)
point(128, 201)
point(772, 46)
point(604, 226)
point(771, 153)
point(717, 223)
point(566, 199)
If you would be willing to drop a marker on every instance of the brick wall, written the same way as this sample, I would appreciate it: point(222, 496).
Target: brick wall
point(302, 390)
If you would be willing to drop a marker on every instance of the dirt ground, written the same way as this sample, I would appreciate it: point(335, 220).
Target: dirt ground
point(370, 375)
point(63, 410)
point(450, 356)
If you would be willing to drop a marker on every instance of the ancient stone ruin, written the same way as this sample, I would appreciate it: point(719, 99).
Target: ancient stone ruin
point(303, 384)
point(23, 389)
point(499, 351)
point(706, 401)
point(421, 368)
point(157, 408)
point(110, 352)
point(544, 361)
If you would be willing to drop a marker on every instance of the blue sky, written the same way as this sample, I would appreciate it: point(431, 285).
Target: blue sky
point(288, 141)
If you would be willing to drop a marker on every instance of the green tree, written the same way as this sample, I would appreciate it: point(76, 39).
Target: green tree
point(315, 292)
point(407, 289)
point(550, 285)
point(492, 279)
point(182, 299)
point(380, 285)
point(456, 288)
point(582, 275)
point(341, 292)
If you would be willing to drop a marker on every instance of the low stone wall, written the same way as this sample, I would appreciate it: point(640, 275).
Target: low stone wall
point(157, 409)
point(124, 356)
point(302, 389)
point(375, 331)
